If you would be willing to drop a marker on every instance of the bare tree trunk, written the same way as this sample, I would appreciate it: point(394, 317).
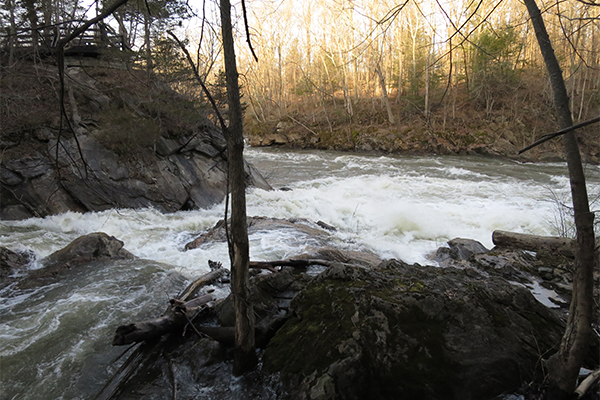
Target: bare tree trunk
point(31, 15)
point(147, 43)
point(563, 367)
point(427, 83)
point(384, 93)
point(244, 353)
point(12, 39)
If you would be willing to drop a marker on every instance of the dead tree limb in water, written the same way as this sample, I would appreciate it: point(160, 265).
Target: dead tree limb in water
point(199, 283)
point(139, 356)
point(178, 315)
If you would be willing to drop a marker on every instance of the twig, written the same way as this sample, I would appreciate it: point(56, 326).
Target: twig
point(587, 383)
point(304, 126)
point(248, 31)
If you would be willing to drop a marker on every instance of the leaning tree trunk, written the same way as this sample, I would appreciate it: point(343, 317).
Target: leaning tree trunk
point(563, 367)
point(244, 353)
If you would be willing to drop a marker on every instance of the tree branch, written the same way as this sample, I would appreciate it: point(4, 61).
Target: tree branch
point(199, 79)
point(248, 31)
point(561, 132)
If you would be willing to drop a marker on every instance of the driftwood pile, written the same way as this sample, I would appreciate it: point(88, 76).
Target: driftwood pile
point(187, 312)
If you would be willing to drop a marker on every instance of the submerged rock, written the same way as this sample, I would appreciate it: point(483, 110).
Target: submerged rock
point(303, 228)
point(90, 247)
point(11, 261)
point(81, 252)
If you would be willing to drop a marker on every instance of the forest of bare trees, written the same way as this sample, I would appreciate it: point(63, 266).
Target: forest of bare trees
point(424, 58)
point(428, 55)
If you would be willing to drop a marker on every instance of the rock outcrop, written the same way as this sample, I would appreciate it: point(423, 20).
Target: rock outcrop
point(353, 331)
point(129, 147)
point(357, 327)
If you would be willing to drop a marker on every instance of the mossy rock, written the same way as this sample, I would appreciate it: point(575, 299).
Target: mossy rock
point(407, 331)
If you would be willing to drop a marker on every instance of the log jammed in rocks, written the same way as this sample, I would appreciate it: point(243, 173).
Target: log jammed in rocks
point(179, 314)
point(183, 311)
point(551, 244)
point(564, 246)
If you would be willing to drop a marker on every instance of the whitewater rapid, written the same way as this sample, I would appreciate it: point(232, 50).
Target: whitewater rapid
point(55, 339)
point(401, 207)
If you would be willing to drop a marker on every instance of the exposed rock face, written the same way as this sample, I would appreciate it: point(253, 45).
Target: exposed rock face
point(187, 178)
point(361, 328)
point(459, 251)
point(130, 150)
point(406, 331)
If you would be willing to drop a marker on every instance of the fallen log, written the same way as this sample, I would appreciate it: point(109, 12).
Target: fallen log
point(179, 314)
point(553, 244)
point(205, 280)
point(270, 265)
point(142, 353)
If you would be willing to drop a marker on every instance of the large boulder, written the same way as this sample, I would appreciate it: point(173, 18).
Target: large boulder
point(87, 248)
point(409, 331)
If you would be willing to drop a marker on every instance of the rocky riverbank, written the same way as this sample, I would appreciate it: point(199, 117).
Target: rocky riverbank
point(353, 326)
point(499, 137)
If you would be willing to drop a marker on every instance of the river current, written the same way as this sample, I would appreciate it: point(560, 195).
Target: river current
point(55, 339)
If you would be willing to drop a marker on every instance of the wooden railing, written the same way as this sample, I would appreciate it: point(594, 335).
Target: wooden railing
point(91, 42)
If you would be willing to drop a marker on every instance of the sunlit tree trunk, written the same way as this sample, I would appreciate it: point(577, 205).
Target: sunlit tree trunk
point(427, 78)
point(563, 367)
point(244, 352)
point(384, 94)
point(12, 40)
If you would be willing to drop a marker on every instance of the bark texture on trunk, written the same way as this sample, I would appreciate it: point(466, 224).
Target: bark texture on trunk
point(563, 367)
point(244, 353)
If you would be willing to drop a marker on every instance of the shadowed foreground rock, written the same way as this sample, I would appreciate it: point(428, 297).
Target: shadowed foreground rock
point(408, 331)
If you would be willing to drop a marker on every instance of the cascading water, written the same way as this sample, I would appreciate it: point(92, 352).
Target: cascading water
point(55, 339)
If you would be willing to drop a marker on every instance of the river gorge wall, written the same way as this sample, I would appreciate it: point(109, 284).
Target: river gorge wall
point(120, 143)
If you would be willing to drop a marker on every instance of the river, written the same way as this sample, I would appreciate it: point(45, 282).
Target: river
point(55, 339)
